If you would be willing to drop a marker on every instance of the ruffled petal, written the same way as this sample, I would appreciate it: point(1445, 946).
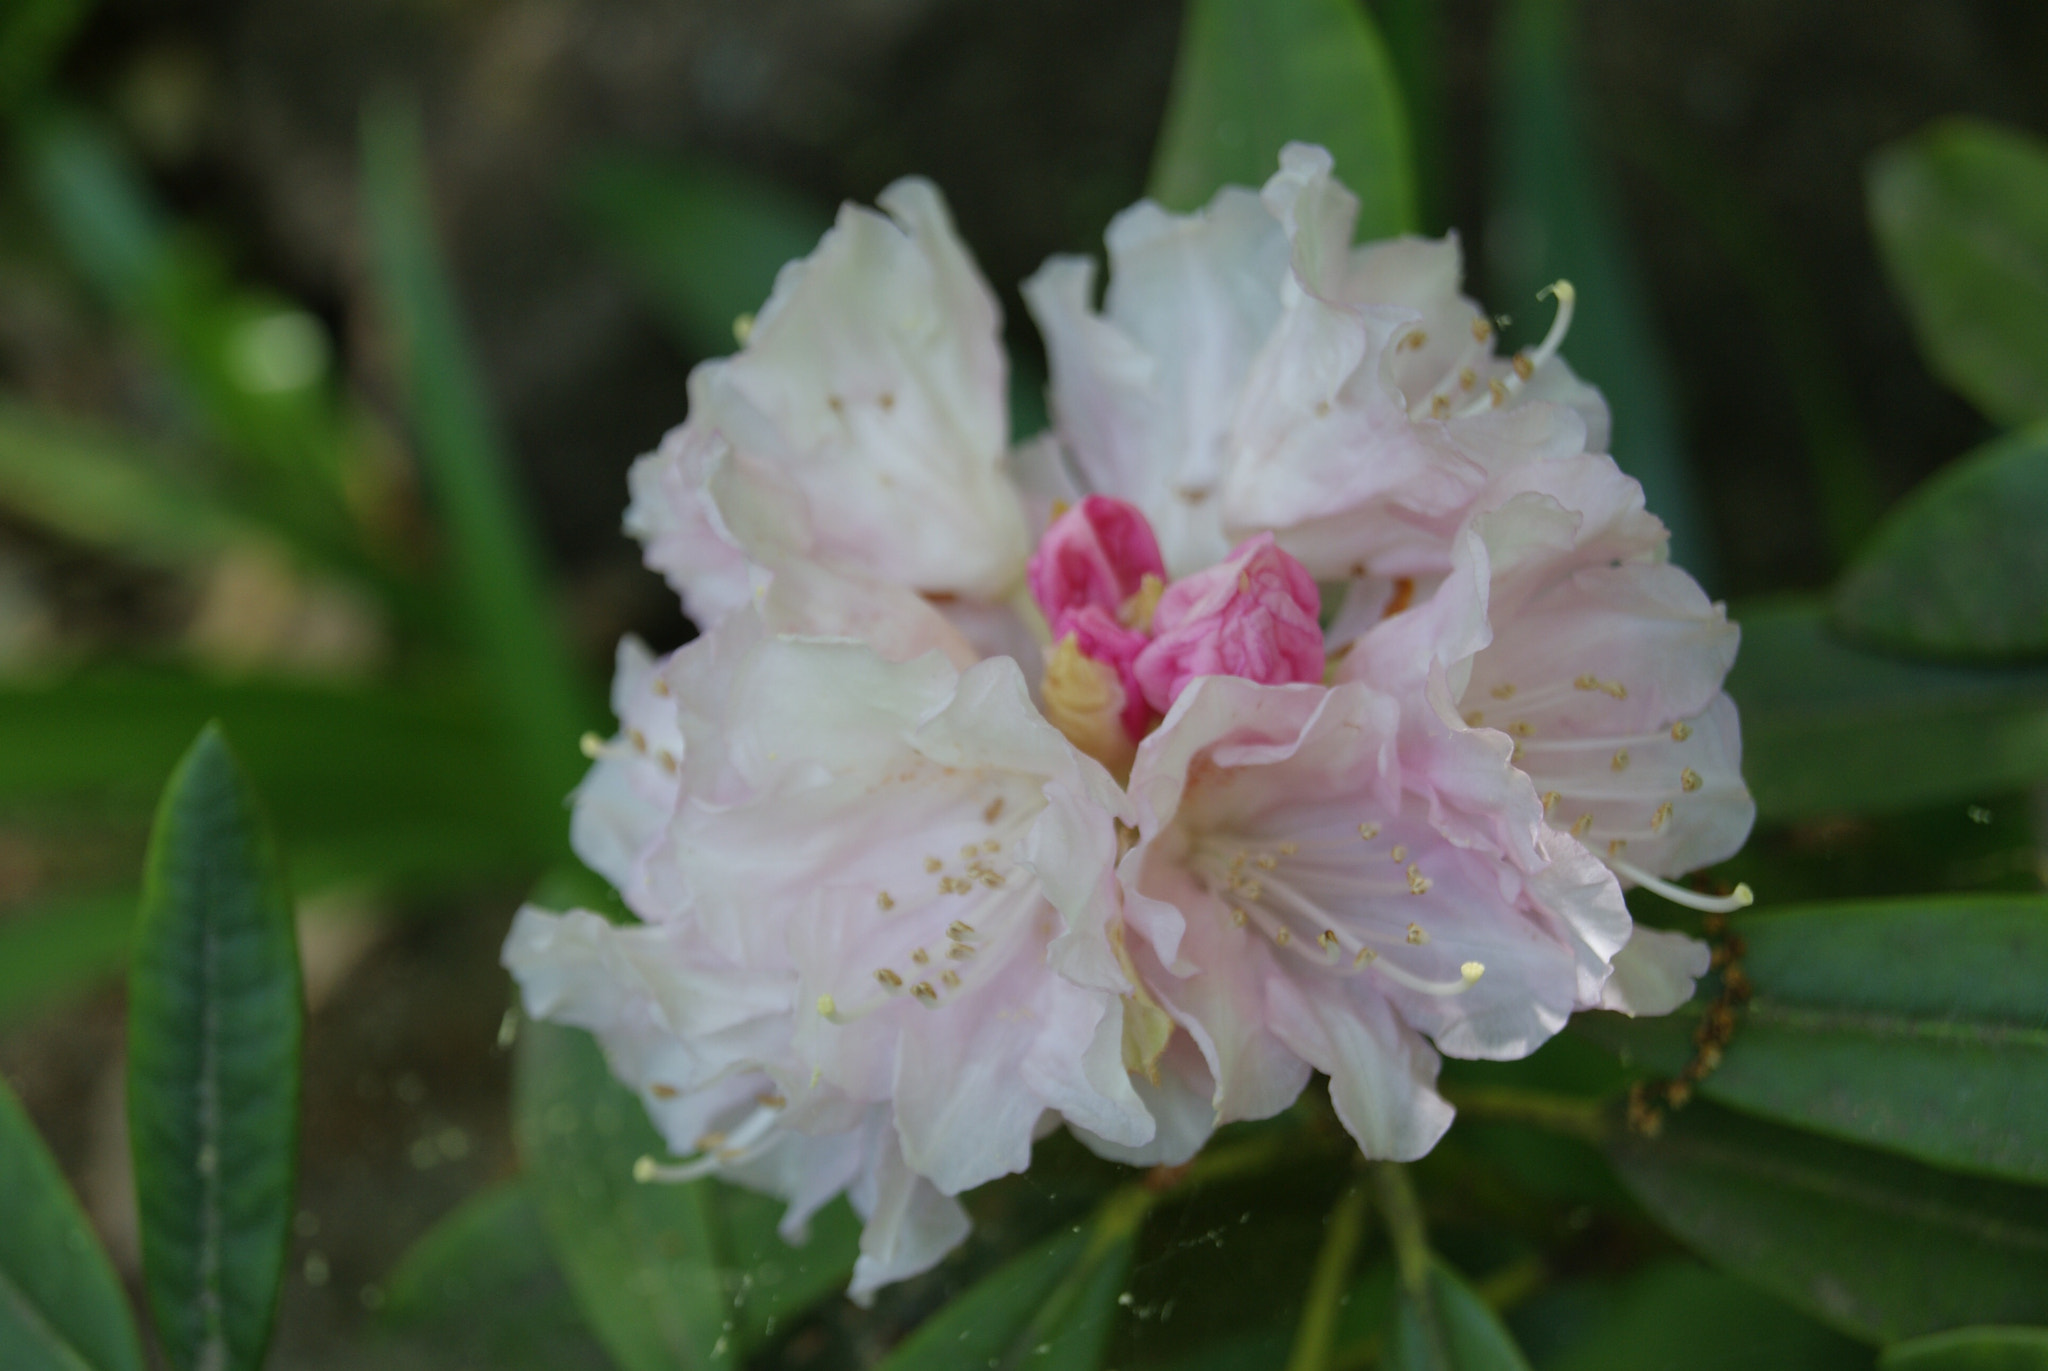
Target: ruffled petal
point(1655, 972)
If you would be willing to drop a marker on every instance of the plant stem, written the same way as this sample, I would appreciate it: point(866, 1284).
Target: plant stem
point(1402, 1214)
point(1571, 1115)
point(1326, 1289)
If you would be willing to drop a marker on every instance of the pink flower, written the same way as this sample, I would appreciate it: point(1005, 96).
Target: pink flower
point(1252, 616)
point(1299, 900)
point(1096, 554)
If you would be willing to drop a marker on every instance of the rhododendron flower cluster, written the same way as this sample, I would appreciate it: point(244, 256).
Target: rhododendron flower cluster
point(1302, 703)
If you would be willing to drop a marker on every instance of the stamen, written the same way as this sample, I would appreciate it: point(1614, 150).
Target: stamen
point(1742, 898)
point(1368, 831)
point(1680, 731)
point(1468, 975)
point(1418, 936)
point(1690, 780)
point(891, 982)
point(885, 901)
point(1526, 364)
point(591, 746)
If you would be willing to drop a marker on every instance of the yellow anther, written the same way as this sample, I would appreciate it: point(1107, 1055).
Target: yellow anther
point(993, 812)
point(921, 957)
point(889, 979)
point(1417, 935)
point(1475, 719)
point(1328, 939)
point(768, 1099)
point(1288, 849)
point(1619, 762)
point(1522, 728)
point(1481, 330)
point(1415, 341)
point(1467, 378)
point(660, 687)
point(661, 1091)
point(959, 952)
point(1586, 682)
point(885, 901)
point(1283, 937)
point(1582, 825)
point(1498, 390)
point(1550, 799)
point(1680, 731)
point(1661, 817)
point(638, 739)
point(1690, 779)
point(932, 865)
point(668, 761)
point(1418, 884)
point(1440, 407)
point(1368, 831)
point(1615, 845)
point(1265, 861)
point(952, 980)
point(960, 931)
point(1239, 918)
point(1524, 368)
point(970, 851)
point(1366, 956)
point(926, 996)
point(1504, 691)
point(1399, 854)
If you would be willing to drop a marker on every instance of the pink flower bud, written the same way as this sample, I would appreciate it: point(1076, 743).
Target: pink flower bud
point(1095, 634)
point(1252, 616)
point(1097, 553)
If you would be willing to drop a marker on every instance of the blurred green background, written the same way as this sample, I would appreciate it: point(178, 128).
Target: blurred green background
point(328, 329)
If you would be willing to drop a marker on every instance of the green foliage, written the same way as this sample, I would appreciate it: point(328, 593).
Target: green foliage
point(1960, 568)
point(1971, 1349)
point(704, 241)
point(53, 947)
point(500, 587)
point(667, 1275)
point(1960, 212)
point(1554, 217)
point(1256, 74)
point(61, 1308)
point(214, 1024)
point(1678, 1316)
point(33, 35)
point(483, 1287)
point(1050, 1306)
point(1878, 1246)
point(1447, 1327)
point(1814, 710)
point(1901, 1024)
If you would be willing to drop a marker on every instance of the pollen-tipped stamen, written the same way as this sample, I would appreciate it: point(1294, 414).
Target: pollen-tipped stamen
point(1527, 364)
point(1742, 898)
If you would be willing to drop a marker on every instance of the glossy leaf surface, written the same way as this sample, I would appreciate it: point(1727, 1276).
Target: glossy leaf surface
point(1971, 1349)
point(1960, 213)
point(1916, 1025)
point(1876, 1245)
point(215, 1018)
point(1960, 569)
point(1452, 1330)
point(61, 1306)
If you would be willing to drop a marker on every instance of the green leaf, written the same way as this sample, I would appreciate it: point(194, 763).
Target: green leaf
point(1828, 728)
point(1960, 212)
point(1554, 217)
point(61, 1307)
point(1906, 1024)
point(215, 1018)
point(33, 36)
point(1049, 1307)
point(1450, 1330)
point(58, 945)
point(1873, 1244)
point(501, 589)
point(1960, 569)
point(393, 782)
point(482, 1288)
point(1971, 1349)
point(641, 1258)
point(768, 1281)
point(1253, 75)
point(1679, 1316)
point(705, 240)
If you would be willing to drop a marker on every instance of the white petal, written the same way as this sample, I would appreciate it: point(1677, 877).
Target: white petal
point(1655, 972)
point(911, 1225)
point(1382, 1075)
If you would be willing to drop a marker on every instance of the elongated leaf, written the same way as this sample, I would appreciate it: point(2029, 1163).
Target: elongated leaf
point(1451, 1330)
point(498, 568)
point(768, 1282)
point(1554, 217)
point(705, 240)
point(1679, 1316)
point(215, 1017)
point(1971, 1349)
point(641, 1258)
point(61, 1308)
point(387, 781)
point(106, 493)
point(1918, 1025)
point(1828, 728)
point(1961, 217)
point(1875, 1245)
point(482, 1287)
point(1254, 75)
point(1960, 569)
point(1417, 44)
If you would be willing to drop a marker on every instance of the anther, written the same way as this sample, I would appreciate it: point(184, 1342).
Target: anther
point(1498, 390)
point(1288, 849)
point(1550, 799)
point(1418, 884)
point(959, 952)
point(1614, 847)
point(885, 901)
point(891, 982)
point(970, 851)
point(1368, 831)
point(960, 930)
point(661, 687)
point(668, 761)
point(1524, 368)
point(1661, 817)
point(1582, 825)
point(1399, 853)
point(1620, 762)
point(921, 957)
point(1680, 731)
point(1439, 406)
point(1265, 861)
point(1467, 378)
point(1328, 939)
point(994, 810)
point(1690, 780)
point(1504, 691)
point(662, 1091)
point(952, 980)
point(932, 865)
point(1482, 330)
point(1239, 918)
point(638, 739)
point(1366, 957)
point(1418, 936)
point(925, 995)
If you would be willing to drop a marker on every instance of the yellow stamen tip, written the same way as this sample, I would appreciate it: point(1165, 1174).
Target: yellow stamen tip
point(1744, 895)
point(645, 1170)
point(827, 1006)
point(1472, 971)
